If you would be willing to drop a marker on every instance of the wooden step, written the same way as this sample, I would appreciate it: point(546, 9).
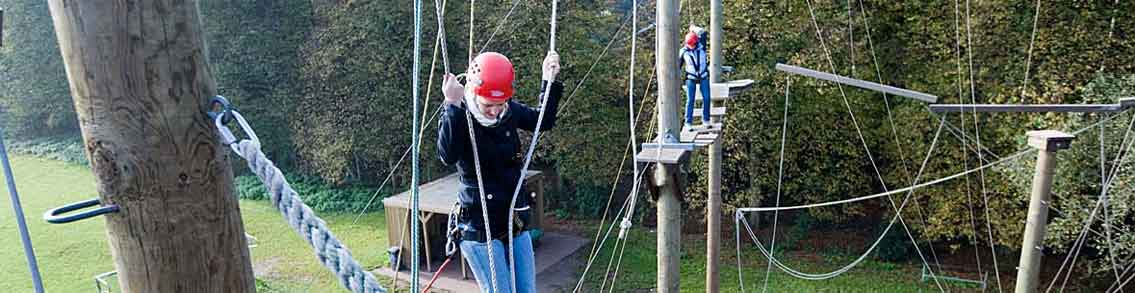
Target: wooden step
point(664, 156)
point(713, 112)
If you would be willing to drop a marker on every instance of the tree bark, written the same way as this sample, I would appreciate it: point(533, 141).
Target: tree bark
point(141, 82)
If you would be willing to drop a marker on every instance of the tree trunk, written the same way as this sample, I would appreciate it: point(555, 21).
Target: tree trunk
point(141, 84)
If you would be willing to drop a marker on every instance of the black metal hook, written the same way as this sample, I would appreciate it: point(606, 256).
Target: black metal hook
point(55, 216)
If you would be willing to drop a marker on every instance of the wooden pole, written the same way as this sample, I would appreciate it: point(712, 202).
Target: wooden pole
point(713, 199)
point(669, 208)
point(141, 83)
point(1047, 142)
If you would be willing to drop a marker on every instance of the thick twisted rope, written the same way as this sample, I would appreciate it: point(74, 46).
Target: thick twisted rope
point(328, 249)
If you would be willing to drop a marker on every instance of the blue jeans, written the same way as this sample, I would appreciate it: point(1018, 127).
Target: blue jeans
point(691, 85)
point(477, 255)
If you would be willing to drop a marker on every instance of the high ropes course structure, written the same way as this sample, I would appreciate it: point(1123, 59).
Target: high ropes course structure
point(113, 107)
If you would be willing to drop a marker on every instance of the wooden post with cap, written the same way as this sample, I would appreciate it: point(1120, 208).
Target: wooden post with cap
point(141, 84)
point(1047, 142)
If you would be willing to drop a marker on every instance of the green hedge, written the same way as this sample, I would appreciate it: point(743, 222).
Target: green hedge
point(320, 196)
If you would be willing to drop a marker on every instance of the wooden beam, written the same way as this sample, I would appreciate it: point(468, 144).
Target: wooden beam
point(141, 83)
point(857, 83)
point(1124, 104)
point(736, 87)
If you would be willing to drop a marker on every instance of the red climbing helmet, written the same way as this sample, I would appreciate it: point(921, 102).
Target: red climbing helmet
point(691, 39)
point(491, 75)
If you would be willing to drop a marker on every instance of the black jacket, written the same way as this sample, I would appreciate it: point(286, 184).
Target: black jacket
point(501, 158)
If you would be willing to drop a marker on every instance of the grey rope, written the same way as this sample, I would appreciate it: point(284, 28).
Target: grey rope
point(330, 252)
point(965, 143)
point(626, 223)
point(414, 195)
point(1079, 244)
point(894, 130)
point(823, 276)
point(600, 243)
point(1032, 42)
point(740, 211)
point(477, 162)
point(528, 156)
point(499, 26)
point(779, 179)
point(980, 156)
point(863, 141)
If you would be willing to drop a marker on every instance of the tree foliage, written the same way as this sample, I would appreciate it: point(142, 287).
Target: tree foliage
point(327, 85)
point(34, 95)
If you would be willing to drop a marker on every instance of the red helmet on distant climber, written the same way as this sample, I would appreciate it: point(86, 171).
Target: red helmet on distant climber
point(691, 39)
point(491, 75)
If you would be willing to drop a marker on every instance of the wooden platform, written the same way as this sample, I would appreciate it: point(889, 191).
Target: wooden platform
point(436, 200)
point(663, 156)
point(723, 90)
point(713, 112)
point(555, 268)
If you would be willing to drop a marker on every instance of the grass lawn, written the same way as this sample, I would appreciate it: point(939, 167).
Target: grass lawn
point(637, 272)
point(70, 255)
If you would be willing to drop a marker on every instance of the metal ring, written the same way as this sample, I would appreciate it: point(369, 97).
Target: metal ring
point(226, 109)
point(55, 216)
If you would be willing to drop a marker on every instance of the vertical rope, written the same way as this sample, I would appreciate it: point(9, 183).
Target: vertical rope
point(528, 157)
point(1032, 41)
point(552, 39)
point(863, 141)
point(779, 180)
point(894, 130)
point(477, 167)
point(980, 156)
point(965, 143)
point(414, 195)
point(626, 223)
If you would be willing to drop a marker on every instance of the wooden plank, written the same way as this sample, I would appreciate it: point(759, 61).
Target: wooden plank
point(1022, 108)
point(687, 135)
point(712, 127)
point(739, 86)
point(664, 156)
point(677, 146)
point(717, 91)
point(713, 112)
point(858, 83)
point(707, 136)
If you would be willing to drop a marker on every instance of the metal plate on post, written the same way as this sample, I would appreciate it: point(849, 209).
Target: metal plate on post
point(1050, 140)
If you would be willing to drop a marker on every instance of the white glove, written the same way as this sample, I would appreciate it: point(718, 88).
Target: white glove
point(551, 66)
point(454, 92)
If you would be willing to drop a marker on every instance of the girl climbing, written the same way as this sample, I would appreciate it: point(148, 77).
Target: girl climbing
point(487, 96)
point(695, 64)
